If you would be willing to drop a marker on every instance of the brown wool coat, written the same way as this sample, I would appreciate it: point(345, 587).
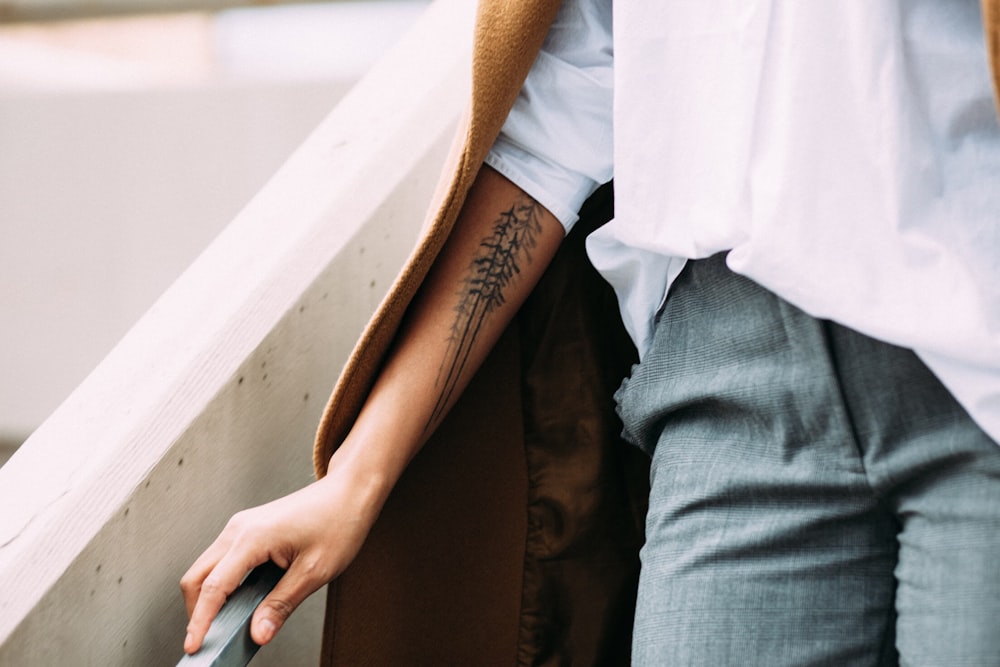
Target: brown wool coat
point(513, 537)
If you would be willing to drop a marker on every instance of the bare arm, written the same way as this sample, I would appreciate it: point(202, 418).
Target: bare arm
point(502, 243)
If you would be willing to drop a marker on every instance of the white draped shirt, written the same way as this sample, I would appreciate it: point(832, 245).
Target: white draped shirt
point(846, 152)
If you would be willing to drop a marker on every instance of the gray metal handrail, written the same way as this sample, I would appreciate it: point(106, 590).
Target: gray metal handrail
point(228, 642)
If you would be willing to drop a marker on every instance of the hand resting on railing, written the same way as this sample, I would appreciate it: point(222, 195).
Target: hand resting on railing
point(312, 533)
point(502, 243)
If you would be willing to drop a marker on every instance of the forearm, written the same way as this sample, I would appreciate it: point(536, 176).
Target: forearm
point(501, 245)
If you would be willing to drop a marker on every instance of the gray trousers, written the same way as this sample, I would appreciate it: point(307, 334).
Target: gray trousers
point(818, 498)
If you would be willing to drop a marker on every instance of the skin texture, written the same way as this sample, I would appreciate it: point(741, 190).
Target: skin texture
point(501, 245)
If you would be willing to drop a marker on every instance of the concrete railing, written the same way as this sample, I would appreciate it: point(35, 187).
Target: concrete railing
point(209, 404)
point(58, 10)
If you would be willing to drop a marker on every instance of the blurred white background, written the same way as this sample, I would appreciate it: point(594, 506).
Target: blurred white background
point(126, 145)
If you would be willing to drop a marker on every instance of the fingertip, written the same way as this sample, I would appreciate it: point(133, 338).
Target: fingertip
point(190, 645)
point(264, 631)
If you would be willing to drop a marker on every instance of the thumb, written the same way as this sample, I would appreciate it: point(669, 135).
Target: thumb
point(279, 604)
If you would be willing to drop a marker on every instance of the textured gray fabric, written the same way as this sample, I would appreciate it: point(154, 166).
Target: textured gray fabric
point(818, 498)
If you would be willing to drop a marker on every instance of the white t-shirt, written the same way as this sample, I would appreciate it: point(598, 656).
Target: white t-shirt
point(847, 152)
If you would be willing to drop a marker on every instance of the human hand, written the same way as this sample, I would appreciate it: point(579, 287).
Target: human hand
point(313, 533)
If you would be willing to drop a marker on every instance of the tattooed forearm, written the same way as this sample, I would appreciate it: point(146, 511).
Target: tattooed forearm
point(494, 268)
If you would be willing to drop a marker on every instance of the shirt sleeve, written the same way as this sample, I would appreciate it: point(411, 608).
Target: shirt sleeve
point(556, 144)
